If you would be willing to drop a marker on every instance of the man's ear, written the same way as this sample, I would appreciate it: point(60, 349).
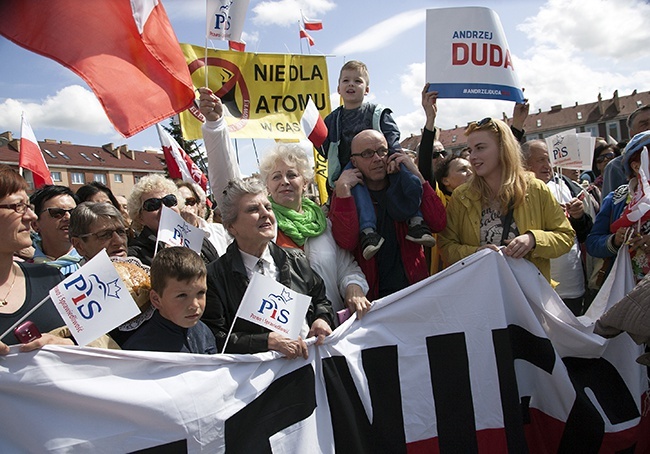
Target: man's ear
point(354, 162)
point(79, 245)
point(35, 227)
point(155, 299)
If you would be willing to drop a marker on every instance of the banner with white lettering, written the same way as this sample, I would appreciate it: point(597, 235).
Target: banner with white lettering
point(264, 95)
point(93, 300)
point(499, 365)
point(175, 231)
point(467, 55)
point(274, 306)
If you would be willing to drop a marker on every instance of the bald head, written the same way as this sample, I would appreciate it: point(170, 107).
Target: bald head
point(371, 144)
point(365, 137)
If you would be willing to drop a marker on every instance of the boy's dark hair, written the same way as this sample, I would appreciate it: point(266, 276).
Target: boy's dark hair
point(356, 65)
point(180, 263)
point(48, 192)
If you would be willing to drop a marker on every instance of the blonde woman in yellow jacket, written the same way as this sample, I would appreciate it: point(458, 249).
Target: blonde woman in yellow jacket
point(500, 196)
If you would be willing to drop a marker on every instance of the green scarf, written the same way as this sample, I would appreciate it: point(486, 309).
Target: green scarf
point(300, 226)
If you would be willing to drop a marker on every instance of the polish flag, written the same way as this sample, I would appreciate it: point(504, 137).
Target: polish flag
point(31, 156)
point(313, 125)
point(125, 50)
point(312, 24)
point(638, 209)
point(179, 164)
point(238, 46)
point(304, 34)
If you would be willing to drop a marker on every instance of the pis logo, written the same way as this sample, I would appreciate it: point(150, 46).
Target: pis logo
point(271, 304)
point(86, 301)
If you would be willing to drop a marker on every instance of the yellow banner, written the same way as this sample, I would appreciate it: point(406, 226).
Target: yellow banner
point(265, 94)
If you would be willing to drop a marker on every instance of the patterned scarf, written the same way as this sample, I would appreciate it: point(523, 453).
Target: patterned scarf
point(300, 226)
point(66, 264)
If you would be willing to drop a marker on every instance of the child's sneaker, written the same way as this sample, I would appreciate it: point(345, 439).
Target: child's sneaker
point(420, 233)
point(370, 243)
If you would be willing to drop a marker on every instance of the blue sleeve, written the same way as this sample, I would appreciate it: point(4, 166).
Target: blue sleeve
point(597, 239)
point(390, 130)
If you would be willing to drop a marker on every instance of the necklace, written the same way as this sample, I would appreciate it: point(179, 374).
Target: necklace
point(4, 302)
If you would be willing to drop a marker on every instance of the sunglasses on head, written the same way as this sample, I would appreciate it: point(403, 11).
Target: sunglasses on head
point(439, 154)
point(191, 201)
point(483, 122)
point(57, 213)
point(154, 203)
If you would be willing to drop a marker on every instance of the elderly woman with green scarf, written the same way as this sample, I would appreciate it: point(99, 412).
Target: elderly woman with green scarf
point(302, 224)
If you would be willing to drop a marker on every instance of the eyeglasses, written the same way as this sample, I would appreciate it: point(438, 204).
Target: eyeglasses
point(381, 152)
point(154, 204)
point(438, 154)
point(105, 235)
point(605, 157)
point(191, 201)
point(20, 207)
point(57, 213)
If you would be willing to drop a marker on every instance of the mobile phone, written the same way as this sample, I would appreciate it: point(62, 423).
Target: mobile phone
point(26, 332)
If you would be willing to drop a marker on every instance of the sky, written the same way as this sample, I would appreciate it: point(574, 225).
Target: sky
point(564, 51)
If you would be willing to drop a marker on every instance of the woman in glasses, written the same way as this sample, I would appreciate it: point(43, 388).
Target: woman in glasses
point(145, 206)
point(23, 285)
point(195, 211)
point(53, 205)
point(503, 205)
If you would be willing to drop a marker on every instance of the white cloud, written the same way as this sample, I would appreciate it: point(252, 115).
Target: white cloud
point(382, 33)
point(186, 9)
point(287, 12)
point(616, 29)
point(73, 108)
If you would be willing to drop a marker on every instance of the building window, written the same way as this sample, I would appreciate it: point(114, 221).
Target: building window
point(118, 178)
point(65, 156)
point(85, 156)
point(579, 115)
point(100, 178)
point(56, 176)
point(613, 130)
point(137, 178)
point(593, 130)
point(539, 123)
point(454, 138)
point(78, 178)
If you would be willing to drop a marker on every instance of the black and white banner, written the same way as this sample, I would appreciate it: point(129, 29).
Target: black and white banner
point(481, 357)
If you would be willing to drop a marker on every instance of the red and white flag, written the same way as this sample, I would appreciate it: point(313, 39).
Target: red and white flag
point(239, 46)
point(31, 156)
point(638, 209)
point(179, 164)
point(313, 125)
point(312, 24)
point(125, 50)
point(304, 34)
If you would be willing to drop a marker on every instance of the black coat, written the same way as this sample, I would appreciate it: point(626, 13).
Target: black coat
point(227, 282)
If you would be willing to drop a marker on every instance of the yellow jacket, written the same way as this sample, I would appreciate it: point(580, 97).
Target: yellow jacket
point(540, 215)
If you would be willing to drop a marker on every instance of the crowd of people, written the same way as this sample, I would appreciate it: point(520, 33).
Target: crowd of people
point(391, 220)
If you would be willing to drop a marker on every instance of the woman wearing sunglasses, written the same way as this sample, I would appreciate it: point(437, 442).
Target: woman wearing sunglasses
point(503, 205)
point(145, 206)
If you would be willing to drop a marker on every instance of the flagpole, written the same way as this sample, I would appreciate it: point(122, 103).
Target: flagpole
point(205, 58)
point(24, 317)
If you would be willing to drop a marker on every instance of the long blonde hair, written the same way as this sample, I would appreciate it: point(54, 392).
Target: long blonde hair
point(514, 178)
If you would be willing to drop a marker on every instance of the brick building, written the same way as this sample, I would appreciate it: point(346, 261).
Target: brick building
point(75, 165)
point(603, 118)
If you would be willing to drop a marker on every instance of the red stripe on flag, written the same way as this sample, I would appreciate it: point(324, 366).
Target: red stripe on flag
point(304, 34)
point(31, 156)
point(140, 79)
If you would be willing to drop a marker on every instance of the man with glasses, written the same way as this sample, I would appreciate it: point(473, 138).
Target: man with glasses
point(96, 226)
point(399, 263)
point(53, 205)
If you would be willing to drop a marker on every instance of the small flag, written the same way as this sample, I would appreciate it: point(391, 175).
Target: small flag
point(31, 157)
point(312, 24)
point(304, 34)
point(239, 46)
point(93, 300)
point(313, 125)
point(179, 164)
point(175, 231)
point(225, 19)
point(270, 304)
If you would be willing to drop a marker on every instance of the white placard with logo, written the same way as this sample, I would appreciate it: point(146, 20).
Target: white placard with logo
point(274, 306)
point(93, 300)
point(175, 231)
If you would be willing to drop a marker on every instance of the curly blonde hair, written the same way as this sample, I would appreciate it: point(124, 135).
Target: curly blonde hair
point(290, 153)
point(514, 178)
point(150, 183)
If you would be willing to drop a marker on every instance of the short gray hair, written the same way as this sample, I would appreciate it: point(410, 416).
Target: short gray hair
point(290, 153)
point(232, 195)
point(525, 149)
point(82, 217)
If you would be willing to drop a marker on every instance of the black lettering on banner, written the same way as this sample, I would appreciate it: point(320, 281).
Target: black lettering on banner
point(585, 428)
point(510, 344)
point(353, 432)
point(452, 393)
point(288, 400)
